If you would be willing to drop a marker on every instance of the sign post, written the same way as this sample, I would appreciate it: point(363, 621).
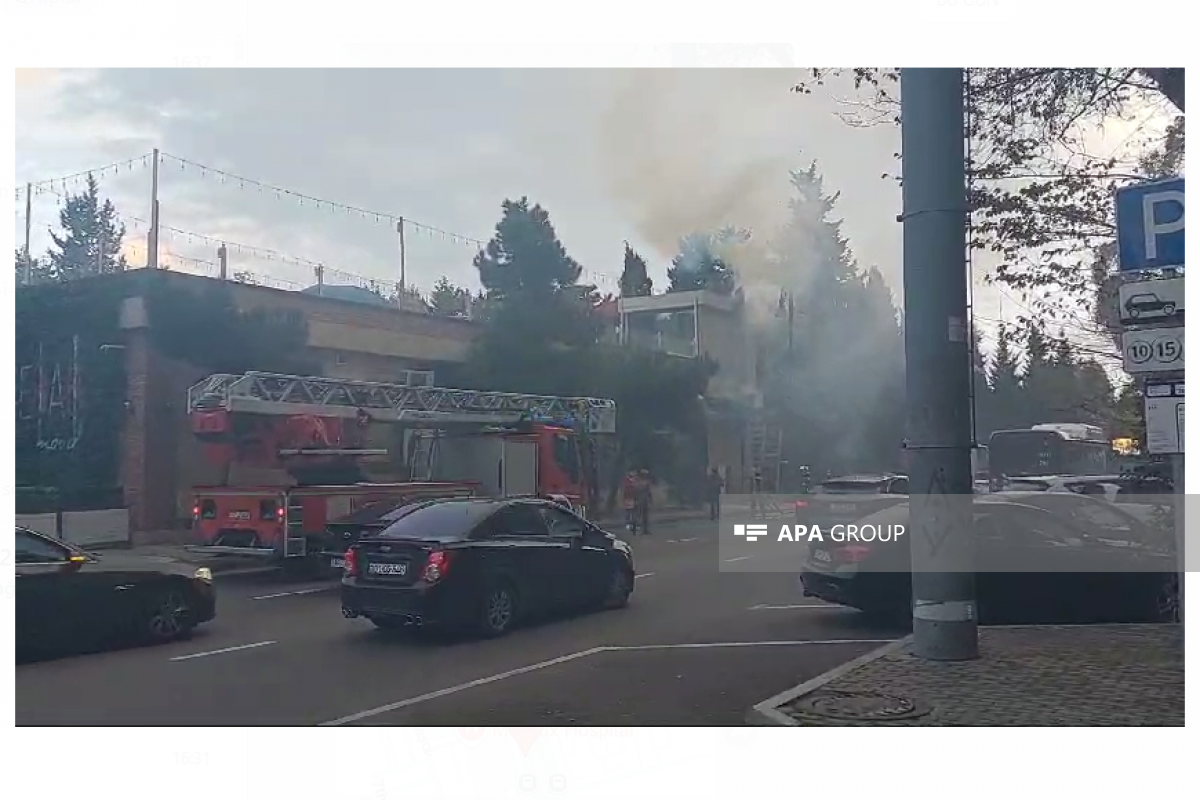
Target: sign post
point(1150, 244)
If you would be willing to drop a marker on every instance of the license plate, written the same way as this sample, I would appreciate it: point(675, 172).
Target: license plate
point(337, 563)
point(842, 508)
point(239, 515)
point(388, 569)
point(822, 555)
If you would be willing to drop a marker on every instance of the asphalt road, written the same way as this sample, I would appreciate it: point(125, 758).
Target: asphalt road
point(695, 647)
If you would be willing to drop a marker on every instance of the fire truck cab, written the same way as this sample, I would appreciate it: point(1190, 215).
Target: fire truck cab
point(316, 430)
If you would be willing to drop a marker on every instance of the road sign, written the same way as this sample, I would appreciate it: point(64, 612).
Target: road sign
point(1164, 417)
point(1144, 301)
point(1150, 225)
point(1153, 350)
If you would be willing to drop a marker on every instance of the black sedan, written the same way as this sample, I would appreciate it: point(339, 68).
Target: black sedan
point(69, 599)
point(483, 565)
point(1051, 558)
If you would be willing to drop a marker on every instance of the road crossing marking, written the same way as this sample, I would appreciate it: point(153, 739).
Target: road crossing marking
point(223, 650)
point(739, 558)
point(767, 607)
point(644, 575)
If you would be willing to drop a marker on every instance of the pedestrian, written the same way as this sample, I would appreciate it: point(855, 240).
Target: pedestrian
point(713, 486)
point(629, 498)
point(756, 509)
point(645, 486)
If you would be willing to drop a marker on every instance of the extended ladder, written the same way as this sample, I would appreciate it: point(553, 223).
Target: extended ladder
point(269, 393)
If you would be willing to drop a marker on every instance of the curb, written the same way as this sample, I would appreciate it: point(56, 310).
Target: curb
point(767, 712)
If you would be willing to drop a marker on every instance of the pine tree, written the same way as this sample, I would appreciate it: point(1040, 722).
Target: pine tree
point(448, 300)
point(699, 264)
point(90, 241)
point(1008, 400)
point(525, 256)
point(635, 282)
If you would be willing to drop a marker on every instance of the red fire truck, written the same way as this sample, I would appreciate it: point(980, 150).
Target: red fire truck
point(320, 434)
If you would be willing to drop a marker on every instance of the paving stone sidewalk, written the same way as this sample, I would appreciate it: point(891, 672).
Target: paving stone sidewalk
point(1095, 675)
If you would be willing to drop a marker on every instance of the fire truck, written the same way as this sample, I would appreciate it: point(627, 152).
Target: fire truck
point(321, 437)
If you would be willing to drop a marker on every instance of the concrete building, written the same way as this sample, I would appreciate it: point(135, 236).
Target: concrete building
point(703, 323)
point(94, 380)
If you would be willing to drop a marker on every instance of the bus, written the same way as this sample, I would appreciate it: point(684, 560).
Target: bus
point(1048, 449)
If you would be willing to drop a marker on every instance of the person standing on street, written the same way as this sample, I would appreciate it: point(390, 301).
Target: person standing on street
point(629, 499)
point(645, 485)
point(713, 486)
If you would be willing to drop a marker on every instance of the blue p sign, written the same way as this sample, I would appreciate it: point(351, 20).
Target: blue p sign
point(1150, 225)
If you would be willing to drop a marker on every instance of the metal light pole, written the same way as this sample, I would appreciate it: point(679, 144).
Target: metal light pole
point(938, 364)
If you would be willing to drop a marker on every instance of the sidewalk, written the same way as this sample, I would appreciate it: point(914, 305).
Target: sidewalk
point(1126, 675)
point(172, 544)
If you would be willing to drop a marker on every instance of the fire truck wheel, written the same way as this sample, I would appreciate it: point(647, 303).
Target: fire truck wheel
point(620, 586)
point(497, 610)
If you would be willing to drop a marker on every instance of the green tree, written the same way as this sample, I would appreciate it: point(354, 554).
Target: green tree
point(699, 264)
point(90, 241)
point(844, 322)
point(635, 282)
point(448, 300)
point(525, 256)
point(1037, 199)
point(1004, 377)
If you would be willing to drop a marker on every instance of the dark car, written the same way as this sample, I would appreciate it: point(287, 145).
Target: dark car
point(483, 565)
point(839, 501)
point(1149, 303)
point(1052, 558)
point(344, 532)
point(68, 599)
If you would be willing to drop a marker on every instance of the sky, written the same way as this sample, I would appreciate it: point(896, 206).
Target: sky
point(613, 155)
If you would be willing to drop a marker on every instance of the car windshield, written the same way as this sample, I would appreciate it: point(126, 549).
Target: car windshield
point(439, 521)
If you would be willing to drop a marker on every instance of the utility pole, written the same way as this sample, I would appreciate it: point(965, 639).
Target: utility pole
point(152, 235)
point(938, 364)
point(319, 270)
point(403, 266)
point(223, 262)
point(28, 232)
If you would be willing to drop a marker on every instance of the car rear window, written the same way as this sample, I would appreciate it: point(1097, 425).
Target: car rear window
point(439, 521)
point(851, 487)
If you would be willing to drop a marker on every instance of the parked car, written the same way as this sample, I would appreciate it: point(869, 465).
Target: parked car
point(1052, 558)
point(850, 498)
point(1149, 303)
point(70, 599)
point(483, 564)
point(344, 532)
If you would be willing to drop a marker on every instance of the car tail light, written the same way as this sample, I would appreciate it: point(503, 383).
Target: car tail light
point(280, 513)
point(350, 565)
point(801, 504)
point(852, 553)
point(436, 566)
point(196, 511)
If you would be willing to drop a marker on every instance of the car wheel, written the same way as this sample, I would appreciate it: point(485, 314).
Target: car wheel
point(1168, 310)
point(498, 610)
point(1134, 312)
point(620, 586)
point(168, 616)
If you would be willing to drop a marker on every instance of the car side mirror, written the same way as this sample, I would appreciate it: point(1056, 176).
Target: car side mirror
point(74, 563)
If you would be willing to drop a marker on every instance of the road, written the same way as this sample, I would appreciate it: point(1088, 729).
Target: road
point(696, 646)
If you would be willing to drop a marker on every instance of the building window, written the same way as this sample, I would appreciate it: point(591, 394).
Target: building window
point(339, 358)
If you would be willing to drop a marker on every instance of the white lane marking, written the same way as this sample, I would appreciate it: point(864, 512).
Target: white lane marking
point(223, 650)
point(766, 607)
point(708, 645)
point(412, 701)
point(293, 593)
point(671, 541)
point(739, 558)
point(644, 575)
point(690, 539)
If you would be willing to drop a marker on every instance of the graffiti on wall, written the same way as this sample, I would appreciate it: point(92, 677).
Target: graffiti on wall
point(49, 396)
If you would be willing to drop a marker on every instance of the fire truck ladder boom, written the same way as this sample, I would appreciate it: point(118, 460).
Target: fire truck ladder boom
point(268, 393)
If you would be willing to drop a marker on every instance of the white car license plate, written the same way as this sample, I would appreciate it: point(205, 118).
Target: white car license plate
point(842, 508)
point(337, 563)
point(388, 569)
point(822, 555)
point(243, 515)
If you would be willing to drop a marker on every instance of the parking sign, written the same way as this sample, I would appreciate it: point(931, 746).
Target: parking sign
point(1150, 225)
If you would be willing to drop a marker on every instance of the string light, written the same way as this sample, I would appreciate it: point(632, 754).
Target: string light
point(59, 187)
